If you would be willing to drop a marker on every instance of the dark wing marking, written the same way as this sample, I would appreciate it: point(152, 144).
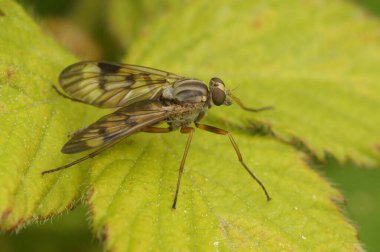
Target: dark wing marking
point(119, 124)
point(112, 85)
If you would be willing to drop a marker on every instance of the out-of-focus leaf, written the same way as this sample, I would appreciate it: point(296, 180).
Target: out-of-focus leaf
point(360, 189)
point(73, 38)
point(68, 232)
point(48, 7)
point(91, 16)
point(372, 6)
point(126, 19)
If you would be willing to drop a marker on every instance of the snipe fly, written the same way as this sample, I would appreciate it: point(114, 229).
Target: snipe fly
point(144, 98)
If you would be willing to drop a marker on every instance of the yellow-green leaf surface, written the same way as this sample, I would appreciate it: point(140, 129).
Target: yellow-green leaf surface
point(132, 185)
point(220, 207)
point(34, 123)
point(316, 62)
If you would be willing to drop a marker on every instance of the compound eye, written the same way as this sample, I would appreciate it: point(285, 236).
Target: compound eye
point(218, 96)
point(215, 81)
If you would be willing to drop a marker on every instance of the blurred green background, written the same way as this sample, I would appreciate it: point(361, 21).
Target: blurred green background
point(84, 27)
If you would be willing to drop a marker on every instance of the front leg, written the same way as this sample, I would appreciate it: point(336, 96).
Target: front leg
point(150, 129)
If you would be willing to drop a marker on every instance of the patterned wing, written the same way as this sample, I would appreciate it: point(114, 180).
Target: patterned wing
point(117, 125)
point(112, 85)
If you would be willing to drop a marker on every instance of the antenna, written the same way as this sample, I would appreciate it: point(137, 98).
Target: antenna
point(240, 103)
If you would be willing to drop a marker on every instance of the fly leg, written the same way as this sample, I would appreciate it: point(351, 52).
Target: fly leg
point(97, 152)
point(150, 129)
point(91, 155)
point(226, 133)
point(190, 131)
point(184, 130)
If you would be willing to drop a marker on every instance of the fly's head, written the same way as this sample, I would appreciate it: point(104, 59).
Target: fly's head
point(219, 95)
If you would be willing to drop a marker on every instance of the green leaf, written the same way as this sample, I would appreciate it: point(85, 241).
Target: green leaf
point(132, 185)
point(316, 62)
point(250, 51)
point(220, 207)
point(34, 123)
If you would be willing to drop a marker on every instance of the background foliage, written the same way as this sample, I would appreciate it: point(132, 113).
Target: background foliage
point(104, 33)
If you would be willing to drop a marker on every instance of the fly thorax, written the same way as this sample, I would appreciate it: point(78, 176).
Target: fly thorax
point(168, 93)
point(188, 90)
